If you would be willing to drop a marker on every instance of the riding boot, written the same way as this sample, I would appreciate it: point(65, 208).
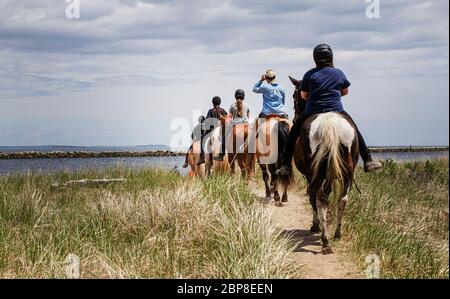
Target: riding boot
point(369, 164)
point(186, 160)
point(186, 164)
point(219, 157)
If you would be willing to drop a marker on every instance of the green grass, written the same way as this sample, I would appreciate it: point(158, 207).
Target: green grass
point(156, 225)
point(402, 216)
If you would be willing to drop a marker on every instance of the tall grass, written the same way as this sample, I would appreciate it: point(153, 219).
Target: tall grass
point(402, 216)
point(156, 225)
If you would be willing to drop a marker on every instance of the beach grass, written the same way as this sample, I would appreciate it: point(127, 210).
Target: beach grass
point(157, 224)
point(402, 217)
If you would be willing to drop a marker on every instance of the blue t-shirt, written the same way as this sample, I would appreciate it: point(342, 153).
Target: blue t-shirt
point(324, 86)
point(273, 97)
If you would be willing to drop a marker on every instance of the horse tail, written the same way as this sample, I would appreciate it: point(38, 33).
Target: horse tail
point(328, 164)
point(283, 134)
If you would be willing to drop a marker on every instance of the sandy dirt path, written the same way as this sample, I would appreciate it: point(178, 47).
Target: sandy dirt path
point(295, 218)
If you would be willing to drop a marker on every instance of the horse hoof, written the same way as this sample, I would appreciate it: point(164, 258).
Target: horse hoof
point(315, 228)
point(278, 204)
point(326, 250)
point(284, 199)
point(337, 236)
point(268, 194)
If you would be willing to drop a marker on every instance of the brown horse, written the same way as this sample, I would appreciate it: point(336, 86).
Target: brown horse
point(193, 158)
point(326, 154)
point(271, 139)
point(239, 151)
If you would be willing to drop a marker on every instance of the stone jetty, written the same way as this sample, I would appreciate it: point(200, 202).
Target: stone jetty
point(161, 153)
point(409, 149)
point(84, 154)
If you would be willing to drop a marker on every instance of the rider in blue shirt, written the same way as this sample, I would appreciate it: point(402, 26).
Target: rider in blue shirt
point(273, 95)
point(323, 88)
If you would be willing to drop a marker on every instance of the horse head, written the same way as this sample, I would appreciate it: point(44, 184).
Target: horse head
point(299, 103)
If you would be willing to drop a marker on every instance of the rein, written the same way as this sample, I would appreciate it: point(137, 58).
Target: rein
point(356, 185)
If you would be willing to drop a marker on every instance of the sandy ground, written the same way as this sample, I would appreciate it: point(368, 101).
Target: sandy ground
point(295, 218)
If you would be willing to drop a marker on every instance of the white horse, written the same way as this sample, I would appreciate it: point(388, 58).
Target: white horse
point(327, 154)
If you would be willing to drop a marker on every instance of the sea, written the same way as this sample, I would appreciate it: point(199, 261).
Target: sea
point(21, 166)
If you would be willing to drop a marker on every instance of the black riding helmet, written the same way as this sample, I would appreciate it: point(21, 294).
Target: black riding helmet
point(323, 55)
point(216, 101)
point(239, 94)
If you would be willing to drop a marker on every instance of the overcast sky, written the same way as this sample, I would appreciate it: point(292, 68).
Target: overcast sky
point(122, 72)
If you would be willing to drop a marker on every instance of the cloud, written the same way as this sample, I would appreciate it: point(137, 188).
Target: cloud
point(26, 85)
point(209, 44)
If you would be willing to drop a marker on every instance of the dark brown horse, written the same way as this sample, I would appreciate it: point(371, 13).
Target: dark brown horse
point(271, 139)
point(327, 154)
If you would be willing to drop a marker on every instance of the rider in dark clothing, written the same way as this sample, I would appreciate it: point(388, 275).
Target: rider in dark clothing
point(218, 114)
point(197, 134)
point(323, 88)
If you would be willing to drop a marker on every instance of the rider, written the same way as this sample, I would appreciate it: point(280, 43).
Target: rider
point(196, 135)
point(239, 112)
point(273, 95)
point(323, 88)
point(219, 114)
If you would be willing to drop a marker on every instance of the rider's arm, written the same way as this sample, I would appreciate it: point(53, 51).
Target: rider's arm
point(260, 87)
point(345, 84)
point(304, 88)
point(230, 111)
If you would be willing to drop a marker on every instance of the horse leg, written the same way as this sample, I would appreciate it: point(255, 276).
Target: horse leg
point(284, 198)
point(274, 185)
point(315, 228)
point(232, 165)
point(251, 163)
point(342, 203)
point(207, 165)
point(241, 163)
point(265, 176)
point(341, 210)
point(322, 211)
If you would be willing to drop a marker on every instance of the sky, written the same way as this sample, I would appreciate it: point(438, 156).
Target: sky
point(125, 71)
